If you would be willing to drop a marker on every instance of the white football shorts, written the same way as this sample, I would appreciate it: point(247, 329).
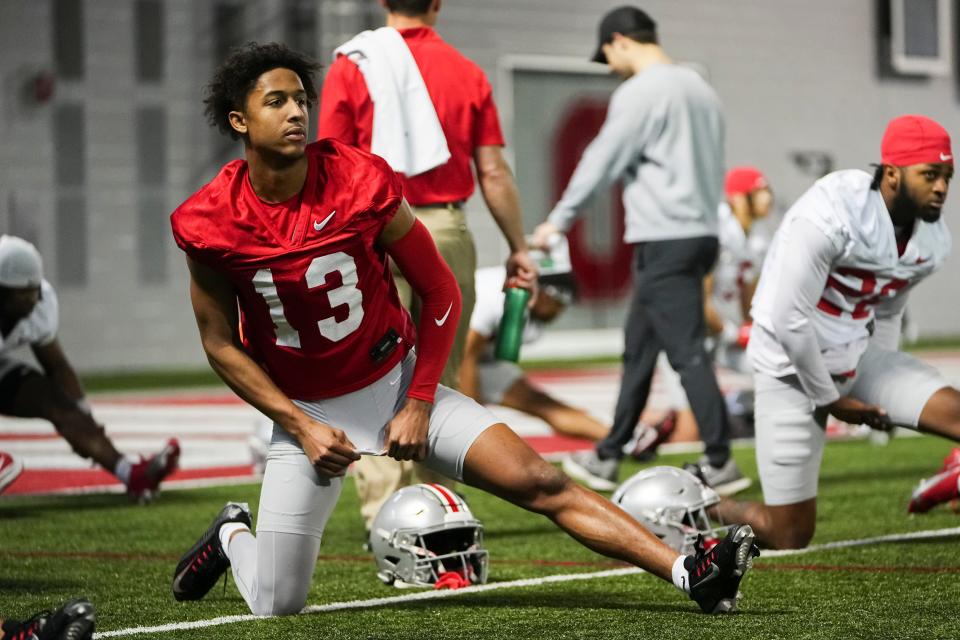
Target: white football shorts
point(295, 499)
point(790, 435)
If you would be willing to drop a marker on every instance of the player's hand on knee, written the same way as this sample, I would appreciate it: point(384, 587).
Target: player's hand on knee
point(405, 437)
point(329, 450)
point(853, 411)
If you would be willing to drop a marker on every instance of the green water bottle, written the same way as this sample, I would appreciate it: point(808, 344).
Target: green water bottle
point(510, 336)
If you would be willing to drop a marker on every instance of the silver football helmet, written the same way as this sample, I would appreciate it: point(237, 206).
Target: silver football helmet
point(671, 503)
point(424, 531)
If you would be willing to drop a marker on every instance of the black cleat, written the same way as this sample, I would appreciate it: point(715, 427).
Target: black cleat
point(73, 621)
point(715, 574)
point(201, 567)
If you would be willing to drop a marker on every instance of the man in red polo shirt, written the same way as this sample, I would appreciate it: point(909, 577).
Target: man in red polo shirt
point(404, 94)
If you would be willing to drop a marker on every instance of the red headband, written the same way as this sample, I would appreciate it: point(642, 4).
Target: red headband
point(915, 139)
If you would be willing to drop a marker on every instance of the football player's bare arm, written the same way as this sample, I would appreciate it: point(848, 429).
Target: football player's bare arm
point(415, 254)
point(499, 189)
point(710, 314)
point(215, 307)
point(57, 367)
point(469, 371)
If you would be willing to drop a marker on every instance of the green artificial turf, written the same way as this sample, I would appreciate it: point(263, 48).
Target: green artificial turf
point(122, 558)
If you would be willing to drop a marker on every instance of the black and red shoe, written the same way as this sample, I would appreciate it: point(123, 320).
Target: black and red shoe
point(73, 621)
point(201, 567)
point(715, 573)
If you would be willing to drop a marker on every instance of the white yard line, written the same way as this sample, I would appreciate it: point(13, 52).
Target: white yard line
point(527, 582)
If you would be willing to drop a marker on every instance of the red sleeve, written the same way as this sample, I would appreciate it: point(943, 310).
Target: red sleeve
point(486, 127)
point(338, 112)
point(428, 274)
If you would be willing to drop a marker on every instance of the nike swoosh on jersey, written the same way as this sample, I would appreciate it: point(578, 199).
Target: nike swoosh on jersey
point(318, 226)
point(442, 320)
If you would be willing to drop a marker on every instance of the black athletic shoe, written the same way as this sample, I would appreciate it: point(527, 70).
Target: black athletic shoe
point(201, 567)
point(715, 574)
point(73, 621)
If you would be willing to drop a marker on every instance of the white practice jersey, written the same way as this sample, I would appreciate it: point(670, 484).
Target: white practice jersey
point(866, 271)
point(38, 328)
point(738, 263)
point(488, 310)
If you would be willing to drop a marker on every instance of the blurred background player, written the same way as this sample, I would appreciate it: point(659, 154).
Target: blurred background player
point(29, 315)
point(826, 328)
point(663, 137)
point(75, 620)
point(728, 289)
point(403, 93)
point(491, 381)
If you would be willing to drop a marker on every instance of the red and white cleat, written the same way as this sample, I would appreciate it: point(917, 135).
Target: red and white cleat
point(10, 468)
point(146, 475)
point(952, 460)
point(943, 487)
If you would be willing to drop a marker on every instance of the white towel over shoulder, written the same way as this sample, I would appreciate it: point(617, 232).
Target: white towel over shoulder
point(406, 130)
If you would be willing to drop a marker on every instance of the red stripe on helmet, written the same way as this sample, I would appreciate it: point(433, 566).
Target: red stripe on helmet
point(449, 497)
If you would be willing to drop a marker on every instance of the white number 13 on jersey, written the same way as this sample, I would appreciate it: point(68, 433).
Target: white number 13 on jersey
point(346, 294)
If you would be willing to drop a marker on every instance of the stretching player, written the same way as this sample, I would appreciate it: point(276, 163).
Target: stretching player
point(289, 252)
point(29, 315)
point(826, 319)
point(491, 381)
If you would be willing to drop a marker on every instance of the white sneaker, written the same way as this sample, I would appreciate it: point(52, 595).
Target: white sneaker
point(726, 480)
point(587, 467)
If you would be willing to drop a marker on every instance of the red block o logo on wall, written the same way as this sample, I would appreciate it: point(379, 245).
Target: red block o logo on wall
point(602, 267)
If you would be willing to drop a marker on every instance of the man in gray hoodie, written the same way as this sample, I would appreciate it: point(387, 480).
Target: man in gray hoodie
point(663, 139)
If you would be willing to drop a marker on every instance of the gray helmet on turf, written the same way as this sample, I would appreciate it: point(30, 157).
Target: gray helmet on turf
point(671, 503)
point(423, 532)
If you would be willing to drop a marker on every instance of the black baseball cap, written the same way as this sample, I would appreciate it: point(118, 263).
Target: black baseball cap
point(625, 20)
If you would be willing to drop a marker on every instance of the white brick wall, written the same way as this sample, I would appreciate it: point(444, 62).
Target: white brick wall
point(793, 76)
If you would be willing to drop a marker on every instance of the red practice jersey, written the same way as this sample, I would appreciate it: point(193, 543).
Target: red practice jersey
point(314, 289)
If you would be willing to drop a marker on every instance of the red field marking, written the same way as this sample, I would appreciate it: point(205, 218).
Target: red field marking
point(53, 435)
point(45, 481)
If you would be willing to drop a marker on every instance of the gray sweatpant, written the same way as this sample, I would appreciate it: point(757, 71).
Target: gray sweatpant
point(666, 314)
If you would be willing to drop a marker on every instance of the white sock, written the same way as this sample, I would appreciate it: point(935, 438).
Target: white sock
point(122, 470)
point(227, 530)
point(681, 577)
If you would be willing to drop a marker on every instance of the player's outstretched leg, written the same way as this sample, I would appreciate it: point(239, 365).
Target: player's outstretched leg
point(501, 463)
point(38, 397)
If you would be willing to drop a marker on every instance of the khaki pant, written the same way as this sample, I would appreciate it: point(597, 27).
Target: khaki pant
point(377, 478)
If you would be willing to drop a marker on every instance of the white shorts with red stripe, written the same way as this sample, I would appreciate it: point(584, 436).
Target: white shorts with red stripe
point(294, 499)
point(790, 435)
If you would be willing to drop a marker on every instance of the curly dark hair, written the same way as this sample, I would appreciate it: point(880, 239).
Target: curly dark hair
point(237, 76)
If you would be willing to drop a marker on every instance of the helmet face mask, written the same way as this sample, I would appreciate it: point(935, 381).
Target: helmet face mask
point(672, 504)
point(423, 532)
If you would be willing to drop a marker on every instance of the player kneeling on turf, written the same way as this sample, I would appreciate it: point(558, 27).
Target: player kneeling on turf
point(288, 251)
point(826, 323)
